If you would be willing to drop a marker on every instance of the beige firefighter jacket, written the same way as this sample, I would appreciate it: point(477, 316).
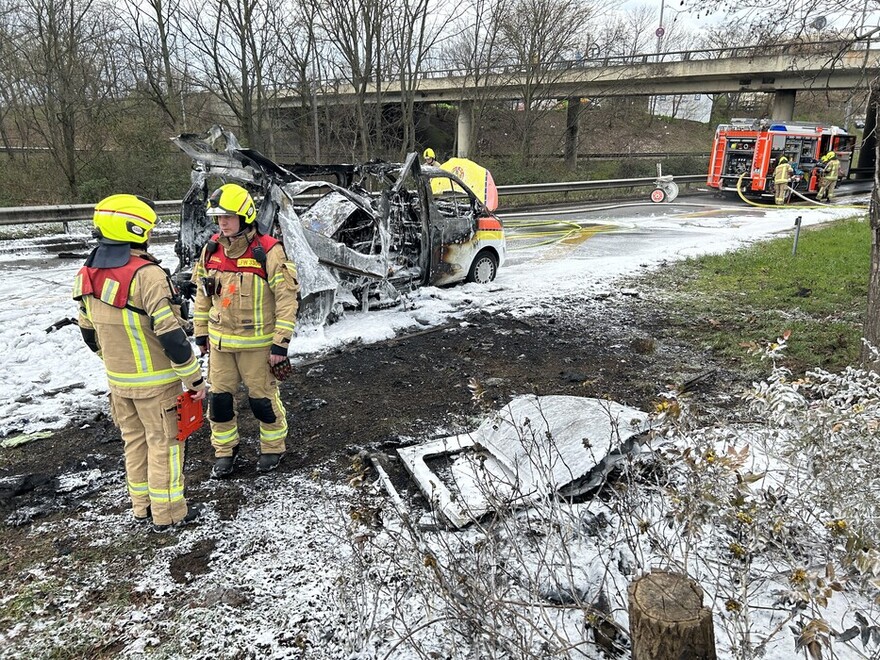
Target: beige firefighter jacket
point(832, 170)
point(136, 363)
point(782, 173)
point(244, 311)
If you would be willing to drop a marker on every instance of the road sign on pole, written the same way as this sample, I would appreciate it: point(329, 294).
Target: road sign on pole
point(660, 32)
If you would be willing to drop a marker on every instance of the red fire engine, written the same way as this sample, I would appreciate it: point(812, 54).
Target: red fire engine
point(752, 147)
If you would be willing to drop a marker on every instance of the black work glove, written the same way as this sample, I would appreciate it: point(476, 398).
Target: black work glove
point(187, 289)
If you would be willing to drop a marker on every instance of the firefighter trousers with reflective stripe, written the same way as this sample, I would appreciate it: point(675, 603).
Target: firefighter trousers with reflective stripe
point(226, 370)
point(826, 189)
point(781, 192)
point(153, 455)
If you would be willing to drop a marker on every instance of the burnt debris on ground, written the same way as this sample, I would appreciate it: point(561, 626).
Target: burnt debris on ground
point(381, 396)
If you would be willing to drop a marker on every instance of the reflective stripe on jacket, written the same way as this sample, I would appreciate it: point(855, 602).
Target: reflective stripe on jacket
point(832, 169)
point(240, 304)
point(782, 173)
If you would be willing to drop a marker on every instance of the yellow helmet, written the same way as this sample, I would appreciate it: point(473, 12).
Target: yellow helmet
point(782, 159)
point(232, 199)
point(429, 153)
point(830, 155)
point(124, 219)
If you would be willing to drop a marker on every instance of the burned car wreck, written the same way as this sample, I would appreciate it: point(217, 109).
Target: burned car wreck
point(360, 235)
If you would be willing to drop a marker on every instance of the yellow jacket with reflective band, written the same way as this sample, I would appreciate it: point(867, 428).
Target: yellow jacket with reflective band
point(246, 312)
point(782, 173)
point(136, 364)
point(832, 169)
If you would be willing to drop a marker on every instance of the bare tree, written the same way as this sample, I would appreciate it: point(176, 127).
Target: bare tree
point(474, 51)
point(237, 48)
point(300, 62)
point(9, 81)
point(154, 45)
point(415, 28)
point(628, 33)
point(537, 35)
point(65, 56)
point(355, 31)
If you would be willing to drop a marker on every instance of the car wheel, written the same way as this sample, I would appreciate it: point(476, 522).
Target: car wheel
point(484, 268)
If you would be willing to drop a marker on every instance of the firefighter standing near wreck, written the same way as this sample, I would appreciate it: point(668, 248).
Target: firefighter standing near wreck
point(244, 314)
point(781, 176)
point(430, 157)
point(130, 316)
point(830, 172)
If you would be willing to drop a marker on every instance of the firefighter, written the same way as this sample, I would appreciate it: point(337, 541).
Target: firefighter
point(430, 157)
point(829, 174)
point(781, 176)
point(245, 310)
point(130, 316)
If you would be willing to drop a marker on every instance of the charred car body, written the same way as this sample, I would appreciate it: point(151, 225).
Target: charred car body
point(360, 240)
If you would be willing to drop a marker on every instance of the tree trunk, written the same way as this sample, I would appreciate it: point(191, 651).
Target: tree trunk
point(871, 329)
point(667, 620)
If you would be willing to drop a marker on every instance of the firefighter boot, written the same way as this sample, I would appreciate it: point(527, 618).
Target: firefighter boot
point(145, 518)
point(195, 510)
point(225, 465)
point(268, 462)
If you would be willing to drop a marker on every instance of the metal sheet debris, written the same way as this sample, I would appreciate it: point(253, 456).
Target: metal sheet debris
point(530, 449)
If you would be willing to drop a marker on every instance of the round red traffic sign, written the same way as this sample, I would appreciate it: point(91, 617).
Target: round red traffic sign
point(660, 31)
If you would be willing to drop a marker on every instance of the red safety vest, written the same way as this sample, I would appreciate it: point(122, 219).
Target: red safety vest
point(246, 263)
point(110, 285)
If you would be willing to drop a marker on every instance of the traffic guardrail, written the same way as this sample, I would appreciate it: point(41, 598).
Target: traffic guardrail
point(66, 213)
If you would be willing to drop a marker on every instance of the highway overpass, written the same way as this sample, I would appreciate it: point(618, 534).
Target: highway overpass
point(780, 69)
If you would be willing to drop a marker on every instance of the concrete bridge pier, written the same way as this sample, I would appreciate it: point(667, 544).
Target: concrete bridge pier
point(572, 116)
point(465, 128)
point(783, 105)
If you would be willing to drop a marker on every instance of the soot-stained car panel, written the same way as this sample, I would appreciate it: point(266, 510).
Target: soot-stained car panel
point(376, 231)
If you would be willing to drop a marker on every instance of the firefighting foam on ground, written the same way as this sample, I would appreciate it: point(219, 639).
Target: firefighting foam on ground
point(296, 564)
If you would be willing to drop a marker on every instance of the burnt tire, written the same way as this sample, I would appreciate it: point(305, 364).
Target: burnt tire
point(484, 268)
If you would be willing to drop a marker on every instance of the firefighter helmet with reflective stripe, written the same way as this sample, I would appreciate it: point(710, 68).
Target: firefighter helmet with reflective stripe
point(429, 153)
point(232, 199)
point(124, 219)
point(830, 155)
point(782, 159)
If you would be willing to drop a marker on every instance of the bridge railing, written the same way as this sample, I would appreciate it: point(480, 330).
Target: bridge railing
point(829, 48)
point(66, 213)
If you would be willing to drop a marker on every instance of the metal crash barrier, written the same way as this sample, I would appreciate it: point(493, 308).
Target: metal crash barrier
point(66, 213)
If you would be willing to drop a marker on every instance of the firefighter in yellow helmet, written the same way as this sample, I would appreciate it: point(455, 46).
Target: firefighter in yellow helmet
point(828, 181)
point(430, 157)
point(781, 176)
point(245, 311)
point(130, 316)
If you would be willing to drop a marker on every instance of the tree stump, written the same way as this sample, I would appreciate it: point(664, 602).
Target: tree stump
point(667, 620)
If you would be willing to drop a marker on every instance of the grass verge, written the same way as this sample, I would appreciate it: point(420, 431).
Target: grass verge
point(736, 303)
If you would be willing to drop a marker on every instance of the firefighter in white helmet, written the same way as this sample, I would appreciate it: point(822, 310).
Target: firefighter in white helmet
point(781, 176)
point(829, 174)
point(130, 316)
point(245, 311)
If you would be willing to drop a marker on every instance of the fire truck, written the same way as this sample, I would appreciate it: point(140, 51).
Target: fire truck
point(752, 148)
